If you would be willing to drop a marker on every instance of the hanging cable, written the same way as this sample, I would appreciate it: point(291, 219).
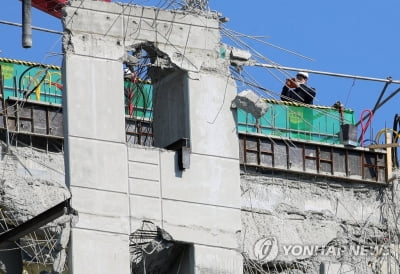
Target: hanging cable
point(349, 92)
point(242, 44)
point(364, 127)
point(396, 126)
point(383, 131)
point(26, 93)
point(377, 104)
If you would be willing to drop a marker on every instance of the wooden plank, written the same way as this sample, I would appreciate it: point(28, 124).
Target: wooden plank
point(384, 145)
point(389, 163)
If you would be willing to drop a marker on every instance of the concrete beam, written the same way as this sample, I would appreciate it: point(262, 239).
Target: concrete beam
point(178, 34)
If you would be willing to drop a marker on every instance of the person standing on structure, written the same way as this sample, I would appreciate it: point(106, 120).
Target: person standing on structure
point(296, 89)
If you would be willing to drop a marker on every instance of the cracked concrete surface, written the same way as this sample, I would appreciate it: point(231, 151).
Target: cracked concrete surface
point(315, 213)
point(32, 181)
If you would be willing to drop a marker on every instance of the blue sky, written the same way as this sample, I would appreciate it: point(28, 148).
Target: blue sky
point(349, 37)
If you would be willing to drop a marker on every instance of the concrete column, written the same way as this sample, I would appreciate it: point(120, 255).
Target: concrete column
point(96, 164)
point(96, 156)
point(199, 205)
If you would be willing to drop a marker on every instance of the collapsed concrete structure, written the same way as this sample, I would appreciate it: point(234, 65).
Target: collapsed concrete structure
point(199, 200)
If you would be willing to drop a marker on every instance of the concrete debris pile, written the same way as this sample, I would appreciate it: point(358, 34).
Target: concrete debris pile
point(250, 102)
point(153, 250)
point(32, 181)
point(315, 225)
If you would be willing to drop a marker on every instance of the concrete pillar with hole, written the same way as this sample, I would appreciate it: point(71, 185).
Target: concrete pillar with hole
point(198, 204)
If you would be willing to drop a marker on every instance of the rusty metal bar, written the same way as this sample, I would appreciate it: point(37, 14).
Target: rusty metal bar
point(258, 151)
point(347, 168)
point(324, 155)
point(273, 154)
point(244, 149)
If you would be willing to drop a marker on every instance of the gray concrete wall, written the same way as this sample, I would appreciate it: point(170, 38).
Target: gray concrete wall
point(96, 156)
point(198, 205)
point(190, 207)
point(178, 34)
point(96, 163)
point(171, 120)
point(112, 191)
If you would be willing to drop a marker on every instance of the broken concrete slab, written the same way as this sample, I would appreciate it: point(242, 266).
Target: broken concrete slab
point(250, 102)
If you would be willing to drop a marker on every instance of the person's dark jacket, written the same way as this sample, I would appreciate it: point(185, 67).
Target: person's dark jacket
point(302, 94)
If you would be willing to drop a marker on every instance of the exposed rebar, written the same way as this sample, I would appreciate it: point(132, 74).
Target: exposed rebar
point(196, 4)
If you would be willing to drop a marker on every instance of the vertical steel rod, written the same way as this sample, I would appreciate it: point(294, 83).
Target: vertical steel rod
point(27, 23)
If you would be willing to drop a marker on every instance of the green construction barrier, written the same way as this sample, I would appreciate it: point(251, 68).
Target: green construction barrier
point(41, 82)
point(44, 83)
point(138, 99)
point(320, 124)
point(283, 119)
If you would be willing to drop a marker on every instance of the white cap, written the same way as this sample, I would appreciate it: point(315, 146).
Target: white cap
point(305, 74)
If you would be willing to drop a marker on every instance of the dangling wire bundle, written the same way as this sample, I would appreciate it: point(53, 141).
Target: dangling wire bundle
point(364, 127)
point(27, 93)
point(395, 138)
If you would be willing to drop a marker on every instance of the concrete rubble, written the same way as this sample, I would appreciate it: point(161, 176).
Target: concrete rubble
point(32, 182)
point(250, 102)
point(300, 212)
point(153, 249)
point(295, 210)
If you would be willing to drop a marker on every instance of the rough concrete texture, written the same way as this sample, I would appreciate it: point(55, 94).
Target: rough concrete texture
point(32, 181)
point(298, 211)
point(293, 209)
point(250, 102)
point(178, 34)
point(217, 260)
